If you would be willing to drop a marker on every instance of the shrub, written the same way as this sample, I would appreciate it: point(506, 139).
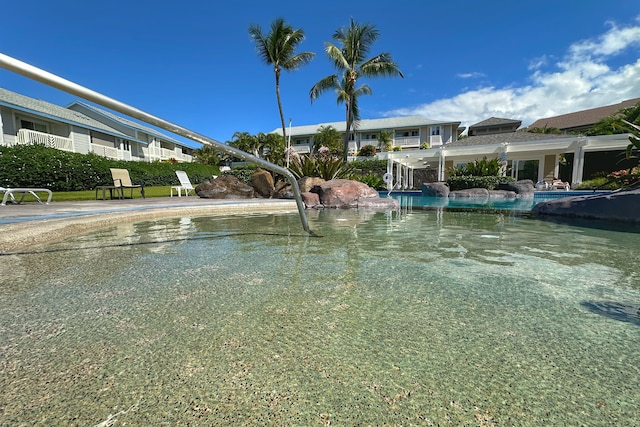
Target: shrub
point(372, 180)
point(470, 181)
point(40, 166)
point(368, 151)
point(482, 167)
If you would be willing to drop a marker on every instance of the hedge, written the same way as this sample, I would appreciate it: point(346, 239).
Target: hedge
point(44, 167)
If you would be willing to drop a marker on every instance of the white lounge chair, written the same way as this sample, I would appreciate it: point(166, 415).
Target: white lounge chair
point(185, 184)
point(9, 193)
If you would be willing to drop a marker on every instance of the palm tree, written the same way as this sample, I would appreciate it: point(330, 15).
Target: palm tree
point(277, 48)
point(349, 57)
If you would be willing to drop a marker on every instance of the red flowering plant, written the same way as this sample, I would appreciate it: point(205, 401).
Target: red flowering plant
point(626, 177)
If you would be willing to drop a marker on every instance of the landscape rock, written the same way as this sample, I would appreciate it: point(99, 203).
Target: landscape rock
point(621, 206)
point(470, 192)
point(262, 182)
point(306, 183)
point(283, 190)
point(435, 189)
point(524, 188)
point(311, 200)
point(224, 187)
point(343, 193)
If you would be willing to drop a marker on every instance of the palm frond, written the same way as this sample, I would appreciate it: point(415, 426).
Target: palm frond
point(327, 83)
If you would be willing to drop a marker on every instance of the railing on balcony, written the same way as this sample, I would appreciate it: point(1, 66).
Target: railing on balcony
point(435, 140)
point(108, 152)
point(409, 141)
point(27, 136)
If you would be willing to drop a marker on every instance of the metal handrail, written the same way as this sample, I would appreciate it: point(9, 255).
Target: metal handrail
point(50, 79)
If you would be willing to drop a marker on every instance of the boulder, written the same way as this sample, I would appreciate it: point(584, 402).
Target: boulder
point(283, 190)
point(343, 193)
point(224, 187)
point(306, 183)
point(435, 189)
point(311, 200)
point(470, 192)
point(483, 193)
point(262, 183)
point(621, 206)
point(524, 188)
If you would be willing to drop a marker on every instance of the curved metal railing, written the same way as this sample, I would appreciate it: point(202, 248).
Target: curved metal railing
point(50, 79)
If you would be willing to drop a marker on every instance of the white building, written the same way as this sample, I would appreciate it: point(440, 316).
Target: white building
point(82, 128)
point(406, 133)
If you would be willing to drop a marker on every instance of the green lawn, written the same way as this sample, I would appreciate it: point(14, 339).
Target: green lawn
point(68, 196)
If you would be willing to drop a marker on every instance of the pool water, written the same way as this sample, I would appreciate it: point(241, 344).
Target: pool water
point(414, 317)
point(415, 199)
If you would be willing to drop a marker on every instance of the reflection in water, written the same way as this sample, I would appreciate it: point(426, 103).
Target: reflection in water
point(402, 317)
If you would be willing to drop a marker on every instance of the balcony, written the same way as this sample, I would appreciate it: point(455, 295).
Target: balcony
point(407, 142)
point(29, 137)
point(110, 152)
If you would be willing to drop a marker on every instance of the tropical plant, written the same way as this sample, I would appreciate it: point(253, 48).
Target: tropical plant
point(207, 155)
point(325, 167)
point(368, 151)
point(634, 139)
point(271, 146)
point(277, 48)
point(246, 142)
point(384, 140)
point(482, 167)
point(349, 57)
point(545, 130)
point(372, 180)
point(615, 124)
point(330, 138)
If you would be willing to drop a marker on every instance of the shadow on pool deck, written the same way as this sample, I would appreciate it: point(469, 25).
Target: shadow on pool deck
point(29, 223)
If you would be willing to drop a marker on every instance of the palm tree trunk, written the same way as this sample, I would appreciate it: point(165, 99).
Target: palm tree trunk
point(345, 140)
point(284, 131)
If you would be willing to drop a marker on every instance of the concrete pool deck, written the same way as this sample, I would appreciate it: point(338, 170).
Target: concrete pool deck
point(32, 223)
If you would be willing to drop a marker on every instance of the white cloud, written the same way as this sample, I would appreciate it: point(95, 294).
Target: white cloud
point(581, 80)
point(475, 74)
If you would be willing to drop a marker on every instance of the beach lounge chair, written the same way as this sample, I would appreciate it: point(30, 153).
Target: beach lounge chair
point(185, 184)
point(558, 184)
point(122, 181)
point(10, 193)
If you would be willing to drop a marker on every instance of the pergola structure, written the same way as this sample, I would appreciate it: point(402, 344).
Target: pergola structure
point(546, 151)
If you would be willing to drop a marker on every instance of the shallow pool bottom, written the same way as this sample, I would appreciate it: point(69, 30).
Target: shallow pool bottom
point(413, 317)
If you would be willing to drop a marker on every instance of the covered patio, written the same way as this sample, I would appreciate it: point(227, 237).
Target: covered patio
point(544, 155)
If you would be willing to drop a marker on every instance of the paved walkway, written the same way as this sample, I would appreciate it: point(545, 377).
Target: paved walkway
point(28, 223)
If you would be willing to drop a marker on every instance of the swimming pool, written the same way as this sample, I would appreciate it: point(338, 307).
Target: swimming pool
point(409, 317)
point(415, 199)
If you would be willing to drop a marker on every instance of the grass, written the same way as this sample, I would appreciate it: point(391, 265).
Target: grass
point(73, 196)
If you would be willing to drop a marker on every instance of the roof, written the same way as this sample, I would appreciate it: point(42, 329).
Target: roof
point(501, 138)
point(495, 121)
point(584, 118)
point(55, 112)
point(370, 125)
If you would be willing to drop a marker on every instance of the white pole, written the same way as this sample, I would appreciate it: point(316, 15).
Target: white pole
point(288, 142)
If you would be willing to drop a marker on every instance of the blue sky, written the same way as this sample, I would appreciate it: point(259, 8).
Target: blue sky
point(192, 62)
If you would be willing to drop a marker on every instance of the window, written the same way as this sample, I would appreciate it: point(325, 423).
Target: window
point(27, 124)
point(301, 141)
point(435, 130)
point(407, 133)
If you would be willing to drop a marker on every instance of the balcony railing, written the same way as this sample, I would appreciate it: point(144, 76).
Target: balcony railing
point(111, 152)
point(27, 136)
point(409, 141)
